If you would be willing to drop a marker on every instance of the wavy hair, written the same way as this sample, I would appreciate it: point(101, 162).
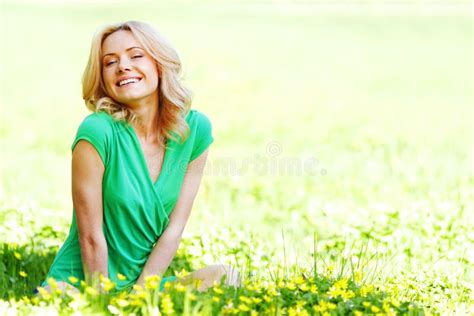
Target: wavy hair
point(174, 98)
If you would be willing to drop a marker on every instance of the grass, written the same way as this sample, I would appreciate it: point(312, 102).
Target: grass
point(379, 107)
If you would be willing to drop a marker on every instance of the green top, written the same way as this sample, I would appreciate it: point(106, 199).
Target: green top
point(135, 210)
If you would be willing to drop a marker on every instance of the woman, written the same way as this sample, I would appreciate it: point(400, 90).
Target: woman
point(137, 164)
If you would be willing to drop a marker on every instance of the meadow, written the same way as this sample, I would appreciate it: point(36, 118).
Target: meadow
point(340, 181)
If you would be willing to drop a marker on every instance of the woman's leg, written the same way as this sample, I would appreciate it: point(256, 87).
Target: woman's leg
point(213, 273)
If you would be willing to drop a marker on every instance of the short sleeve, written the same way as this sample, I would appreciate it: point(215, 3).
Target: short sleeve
point(203, 136)
point(96, 129)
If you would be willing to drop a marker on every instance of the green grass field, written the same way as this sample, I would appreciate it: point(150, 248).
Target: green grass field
point(339, 139)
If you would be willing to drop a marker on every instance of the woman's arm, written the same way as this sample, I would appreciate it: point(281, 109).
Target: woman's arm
point(165, 249)
point(87, 173)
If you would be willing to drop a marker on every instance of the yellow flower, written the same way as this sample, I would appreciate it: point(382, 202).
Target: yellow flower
point(136, 303)
point(215, 299)
point(137, 288)
point(180, 287)
point(386, 307)
point(366, 304)
point(192, 297)
point(358, 313)
point(375, 309)
point(108, 285)
point(272, 292)
point(341, 284)
point(347, 295)
point(291, 286)
point(52, 282)
point(17, 255)
point(229, 308)
point(23, 274)
point(293, 311)
point(304, 287)
point(357, 277)
point(218, 290)
point(365, 289)
point(152, 282)
point(256, 300)
point(121, 277)
point(251, 287)
point(299, 280)
point(313, 289)
point(91, 291)
point(243, 308)
point(300, 303)
point(143, 294)
point(121, 302)
point(197, 283)
point(151, 285)
point(330, 269)
point(267, 298)
point(395, 302)
point(334, 292)
point(182, 274)
point(324, 306)
point(331, 306)
point(167, 306)
point(245, 299)
point(73, 279)
point(45, 294)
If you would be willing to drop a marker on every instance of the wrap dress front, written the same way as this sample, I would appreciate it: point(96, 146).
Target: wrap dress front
point(135, 210)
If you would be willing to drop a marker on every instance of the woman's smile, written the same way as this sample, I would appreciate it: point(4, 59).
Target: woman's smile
point(128, 82)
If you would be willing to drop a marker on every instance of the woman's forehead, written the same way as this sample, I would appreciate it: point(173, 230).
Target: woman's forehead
point(119, 41)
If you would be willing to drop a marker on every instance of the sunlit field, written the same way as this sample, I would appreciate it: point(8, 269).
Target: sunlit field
point(340, 181)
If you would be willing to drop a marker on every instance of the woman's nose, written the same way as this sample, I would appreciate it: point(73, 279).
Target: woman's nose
point(124, 65)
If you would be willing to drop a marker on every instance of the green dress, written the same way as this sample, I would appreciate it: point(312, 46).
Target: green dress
point(135, 210)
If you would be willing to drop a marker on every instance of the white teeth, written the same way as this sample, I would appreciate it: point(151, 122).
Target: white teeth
point(124, 82)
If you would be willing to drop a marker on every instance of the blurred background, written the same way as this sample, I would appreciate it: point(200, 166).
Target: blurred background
point(352, 120)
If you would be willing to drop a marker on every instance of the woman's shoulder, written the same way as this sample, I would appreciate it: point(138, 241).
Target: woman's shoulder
point(97, 128)
point(200, 132)
point(99, 118)
point(99, 122)
point(198, 120)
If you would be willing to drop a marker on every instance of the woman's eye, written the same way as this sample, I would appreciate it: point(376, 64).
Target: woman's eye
point(113, 61)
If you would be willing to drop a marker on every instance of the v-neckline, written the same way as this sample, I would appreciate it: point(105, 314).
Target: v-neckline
point(142, 157)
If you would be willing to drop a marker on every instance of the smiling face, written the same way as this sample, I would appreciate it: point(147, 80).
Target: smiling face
point(129, 73)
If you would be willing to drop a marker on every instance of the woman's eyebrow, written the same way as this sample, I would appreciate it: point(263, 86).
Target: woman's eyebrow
point(130, 48)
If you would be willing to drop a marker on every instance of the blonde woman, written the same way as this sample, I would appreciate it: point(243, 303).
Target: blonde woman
point(137, 163)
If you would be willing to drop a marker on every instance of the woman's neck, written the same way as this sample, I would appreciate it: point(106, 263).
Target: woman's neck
point(146, 125)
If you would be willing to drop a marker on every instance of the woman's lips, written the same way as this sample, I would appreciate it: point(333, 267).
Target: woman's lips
point(130, 84)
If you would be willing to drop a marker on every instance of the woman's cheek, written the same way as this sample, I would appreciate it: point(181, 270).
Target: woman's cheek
point(108, 83)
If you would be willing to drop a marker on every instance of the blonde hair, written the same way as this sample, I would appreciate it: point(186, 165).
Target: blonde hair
point(174, 99)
